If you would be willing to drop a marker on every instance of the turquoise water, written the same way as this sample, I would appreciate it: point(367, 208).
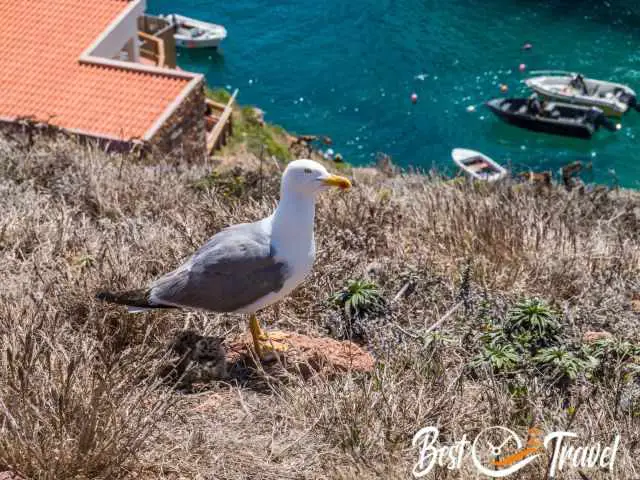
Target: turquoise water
point(347, 69)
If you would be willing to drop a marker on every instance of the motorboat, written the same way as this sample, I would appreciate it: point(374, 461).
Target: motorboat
point(614, 99)
point(551, 117)
point(192, 33)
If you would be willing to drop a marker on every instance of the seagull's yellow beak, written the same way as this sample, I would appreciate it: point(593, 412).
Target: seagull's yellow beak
point(337, 181)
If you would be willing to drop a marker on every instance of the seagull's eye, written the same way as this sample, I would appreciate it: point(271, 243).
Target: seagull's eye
point(307, 170)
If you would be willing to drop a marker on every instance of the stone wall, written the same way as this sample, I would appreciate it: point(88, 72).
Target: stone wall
point(183, 134)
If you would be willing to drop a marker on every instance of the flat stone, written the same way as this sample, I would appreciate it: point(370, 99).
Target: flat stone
point(307, 356)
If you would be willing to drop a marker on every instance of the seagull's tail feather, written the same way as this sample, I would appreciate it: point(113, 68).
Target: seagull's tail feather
point(139, 299)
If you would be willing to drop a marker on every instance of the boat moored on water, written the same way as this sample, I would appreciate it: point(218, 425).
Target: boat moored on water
point(551, 117)
point(192, 33)
point(614, 99)
point(477, 165)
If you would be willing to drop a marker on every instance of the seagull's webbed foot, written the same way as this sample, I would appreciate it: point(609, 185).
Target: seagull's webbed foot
point(269, 344)
point(265, 343)
point(273, 336)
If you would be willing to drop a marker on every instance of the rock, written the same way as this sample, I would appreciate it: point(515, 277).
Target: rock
point(592, 337)
point(300, 139)
point(307, 138)
point(385, 165)
point(307, 356)
point(542, 178)
point(291, 140)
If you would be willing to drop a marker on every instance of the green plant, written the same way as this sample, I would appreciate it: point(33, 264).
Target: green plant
point(274, 146)
point(560, 362)
point(632, 372)
point(435, 339)
point(218, 94)
point(85, 261)
point(259, 137)
point(501, 357)
point(612, 349)
point(534, 316)
point(524, 340)
point(359, 298)
point(530, 336)
point(249, 115)
point(611, 355)
point(517, 390)
point(493, 335)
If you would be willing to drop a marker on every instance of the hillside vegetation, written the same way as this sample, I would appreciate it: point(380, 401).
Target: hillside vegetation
point(511, 275)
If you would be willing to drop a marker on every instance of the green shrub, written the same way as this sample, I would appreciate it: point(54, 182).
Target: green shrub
point(558, 362)
point(220, 95)
point(534, 323)
point(249, 116)
point(359, 298)
point(530, 339)
point(614, 358)
point(259, 138)
point(500, 357)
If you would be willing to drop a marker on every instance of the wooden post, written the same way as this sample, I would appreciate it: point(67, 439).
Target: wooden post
point(220, 131)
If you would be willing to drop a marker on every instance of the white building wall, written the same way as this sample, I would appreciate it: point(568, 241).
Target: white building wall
point(114, 40)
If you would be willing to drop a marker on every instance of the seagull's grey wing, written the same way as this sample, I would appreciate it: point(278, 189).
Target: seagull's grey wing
point(233, 269)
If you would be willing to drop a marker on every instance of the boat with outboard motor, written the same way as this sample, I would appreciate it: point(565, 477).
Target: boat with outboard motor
point(614, 99)
point(551, 117)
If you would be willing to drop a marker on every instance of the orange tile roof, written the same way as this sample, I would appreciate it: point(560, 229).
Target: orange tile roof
point(41, 42)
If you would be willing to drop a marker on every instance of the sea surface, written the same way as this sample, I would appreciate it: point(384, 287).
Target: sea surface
point(347, 69)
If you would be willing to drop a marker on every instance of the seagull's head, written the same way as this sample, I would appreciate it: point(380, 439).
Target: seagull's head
point(309, 178)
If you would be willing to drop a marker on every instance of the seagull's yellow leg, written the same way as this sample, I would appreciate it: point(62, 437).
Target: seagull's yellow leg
point(266, 342)
point(256, 333)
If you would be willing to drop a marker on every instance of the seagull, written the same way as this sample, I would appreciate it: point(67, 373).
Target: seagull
point(247, 267)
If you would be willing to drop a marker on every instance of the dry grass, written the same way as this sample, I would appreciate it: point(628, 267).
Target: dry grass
point(77, 398)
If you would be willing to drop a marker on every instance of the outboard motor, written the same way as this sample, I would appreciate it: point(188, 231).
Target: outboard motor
point(627, 98)
point(608, 124)
point(599, 119)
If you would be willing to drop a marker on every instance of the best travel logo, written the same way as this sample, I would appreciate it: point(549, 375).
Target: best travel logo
point(498, 452)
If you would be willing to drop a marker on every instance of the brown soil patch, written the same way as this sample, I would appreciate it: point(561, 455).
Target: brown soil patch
point(591, 337)
point(307, 356)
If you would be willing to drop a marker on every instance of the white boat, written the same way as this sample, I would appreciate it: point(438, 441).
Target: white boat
point(614, 99)
point(478, 165)
point(192, 33)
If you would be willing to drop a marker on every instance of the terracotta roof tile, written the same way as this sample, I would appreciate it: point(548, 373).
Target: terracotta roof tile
point(41, 75)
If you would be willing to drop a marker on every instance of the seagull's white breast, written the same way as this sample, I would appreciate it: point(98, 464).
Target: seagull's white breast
point(297, 251)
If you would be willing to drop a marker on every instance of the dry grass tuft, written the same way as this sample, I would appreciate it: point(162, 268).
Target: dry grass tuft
point(78, 398)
